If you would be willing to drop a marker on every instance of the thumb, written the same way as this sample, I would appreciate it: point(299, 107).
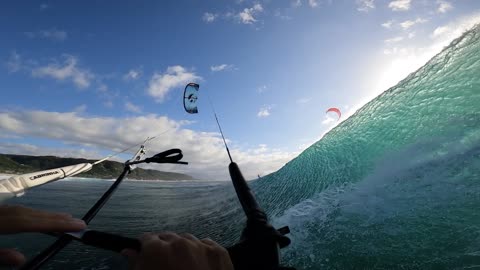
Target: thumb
point(11, 257)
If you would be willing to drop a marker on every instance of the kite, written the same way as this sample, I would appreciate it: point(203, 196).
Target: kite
point(190, 98)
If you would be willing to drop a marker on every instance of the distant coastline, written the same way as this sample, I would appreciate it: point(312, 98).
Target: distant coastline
point(19, 164)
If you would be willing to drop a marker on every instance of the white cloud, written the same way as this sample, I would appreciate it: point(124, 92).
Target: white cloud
point(203, 150)
point(365, 5)
point(30, 149)
point(52, 34)
point(229, 15)
point(221, 67)
point(14, 63)
point(328, 120)
point(404, 60)
point(102, 87)
point(43, 6)
point(209, 17)
point(69, 70)
point(80, 109)
point(262, 89)
point(296, 3)
point(388, 24)
point(108, 104)
point(247, 15)
point(175, 76)
point(439, 31)
point(132, 74)
point(444, 6)
point(409, 23)
point(264, 111)
point(393, 40)
point(443, 35)
point(66, 71)
point(262, 160)
point(277, 13)
point(396, 50)
point(400, 5)
point(132, 107)
point(313, 3)
point(303, 100)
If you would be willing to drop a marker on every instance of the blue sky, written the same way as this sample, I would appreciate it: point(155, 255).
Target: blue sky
point(85, 78)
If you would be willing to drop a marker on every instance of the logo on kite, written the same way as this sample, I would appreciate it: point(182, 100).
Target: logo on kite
point(335, 110)
point(190, 97)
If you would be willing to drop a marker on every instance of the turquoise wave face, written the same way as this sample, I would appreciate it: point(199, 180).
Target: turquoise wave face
point(397, 184)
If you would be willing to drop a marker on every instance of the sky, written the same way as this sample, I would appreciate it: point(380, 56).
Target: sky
point(88, 78)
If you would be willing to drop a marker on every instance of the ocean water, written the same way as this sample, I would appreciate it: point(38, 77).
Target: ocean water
point(395, 186)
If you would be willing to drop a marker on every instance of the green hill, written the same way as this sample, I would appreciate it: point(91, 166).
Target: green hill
point(17, 164)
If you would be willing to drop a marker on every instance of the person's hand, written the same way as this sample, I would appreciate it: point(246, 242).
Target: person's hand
point(168, 251)
point(18, 219)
